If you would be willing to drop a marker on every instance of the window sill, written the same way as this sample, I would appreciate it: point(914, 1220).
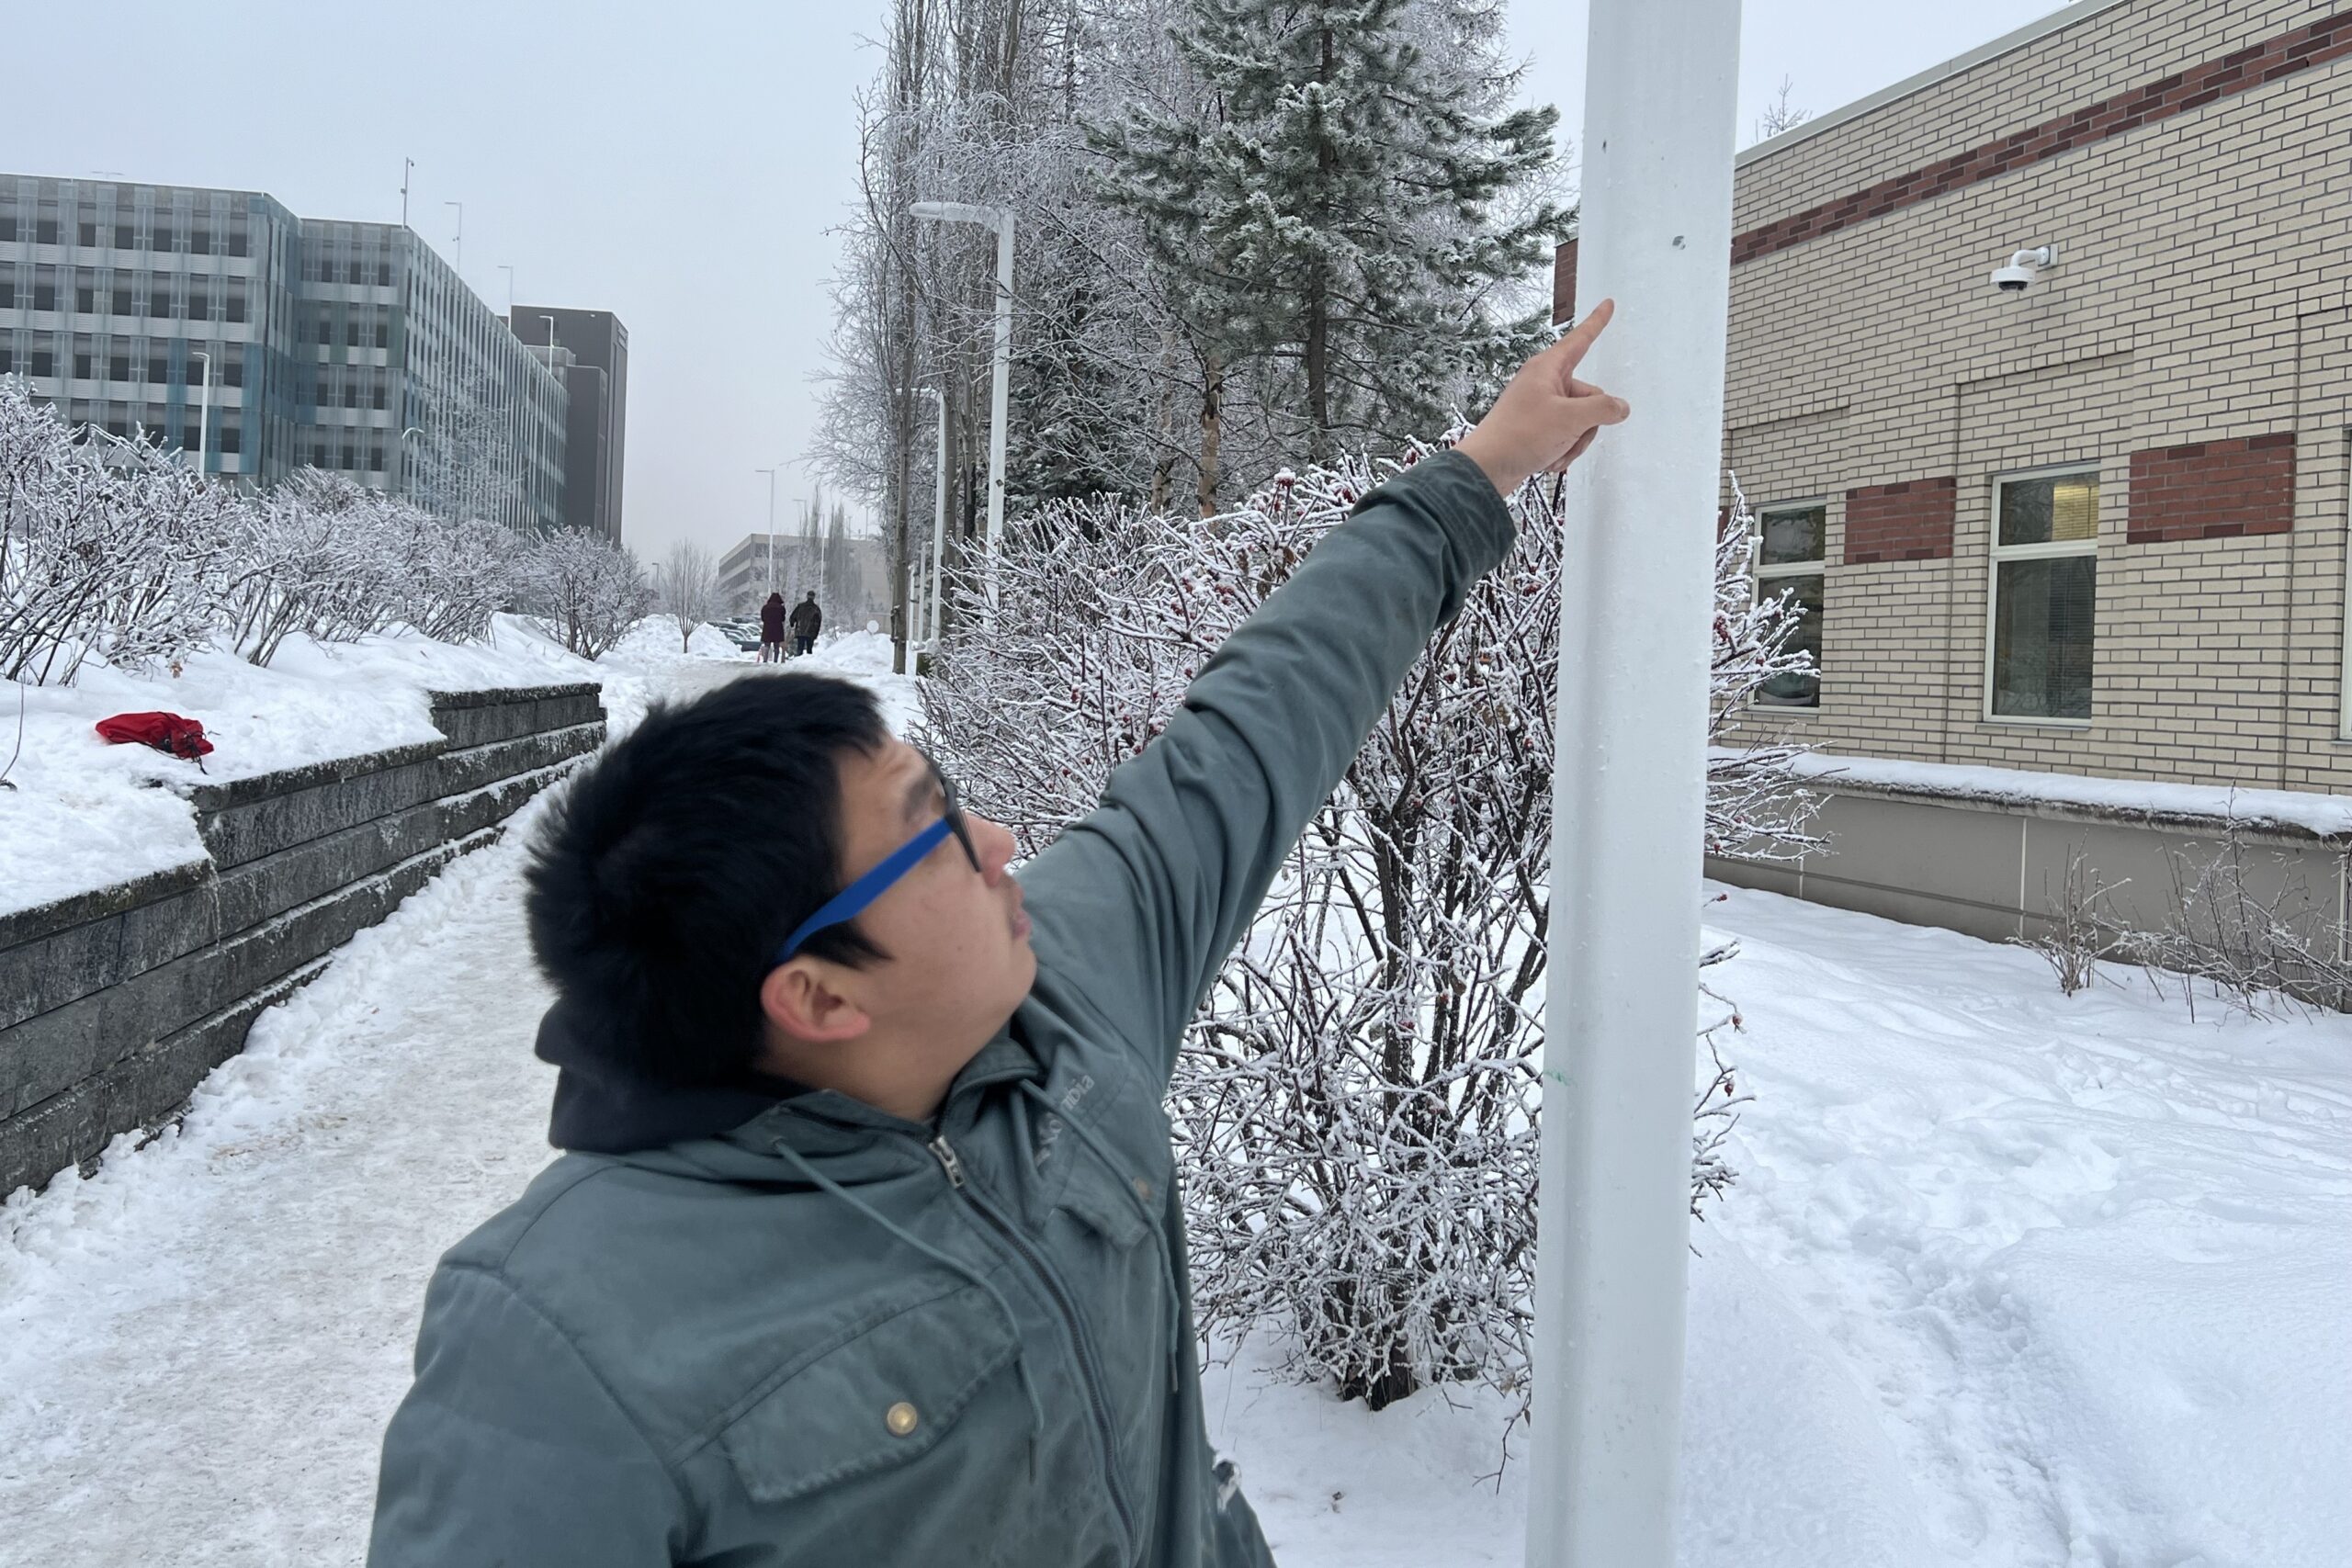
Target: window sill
point(2070, 724)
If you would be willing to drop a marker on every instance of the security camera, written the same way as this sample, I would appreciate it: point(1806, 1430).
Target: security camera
point(2024, 267)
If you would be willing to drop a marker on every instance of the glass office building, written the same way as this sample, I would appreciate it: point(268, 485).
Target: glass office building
point(219, 319)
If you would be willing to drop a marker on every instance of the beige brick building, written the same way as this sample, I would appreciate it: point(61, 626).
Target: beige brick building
point(2166, 409)
point(2097, 526)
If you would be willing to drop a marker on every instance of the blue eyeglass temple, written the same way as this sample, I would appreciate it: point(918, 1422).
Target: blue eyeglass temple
point(851, 901)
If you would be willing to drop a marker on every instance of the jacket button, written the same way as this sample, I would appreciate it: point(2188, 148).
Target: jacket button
point(901, 1418)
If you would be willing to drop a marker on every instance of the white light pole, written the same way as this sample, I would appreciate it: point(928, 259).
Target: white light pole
point(1629, 798)
point(938, 516)
point(509, 271)
point(1000, 219)
point(771, 474)
point(204, 420)
point(413, 486)
point(460, 241)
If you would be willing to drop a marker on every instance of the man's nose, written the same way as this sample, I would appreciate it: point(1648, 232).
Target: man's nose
point(996, 846)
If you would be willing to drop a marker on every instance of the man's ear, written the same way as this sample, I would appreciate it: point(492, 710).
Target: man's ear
point(801, 998)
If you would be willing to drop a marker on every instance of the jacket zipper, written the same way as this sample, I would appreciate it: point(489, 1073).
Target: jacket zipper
point(1088, 1371)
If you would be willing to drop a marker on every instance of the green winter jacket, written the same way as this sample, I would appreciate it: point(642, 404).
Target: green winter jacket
point(729, 1328)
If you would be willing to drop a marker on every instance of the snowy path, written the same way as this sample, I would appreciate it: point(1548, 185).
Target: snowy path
point(2009, 1280)
point(200, 1345)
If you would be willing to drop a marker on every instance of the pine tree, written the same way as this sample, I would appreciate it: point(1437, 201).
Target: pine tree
point(1354, 217)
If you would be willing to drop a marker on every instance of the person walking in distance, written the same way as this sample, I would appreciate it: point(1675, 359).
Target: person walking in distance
point(805, 619)
point(865, 1247)
point(772, 630)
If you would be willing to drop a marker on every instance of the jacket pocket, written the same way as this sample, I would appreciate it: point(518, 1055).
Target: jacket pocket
point(883, 1399)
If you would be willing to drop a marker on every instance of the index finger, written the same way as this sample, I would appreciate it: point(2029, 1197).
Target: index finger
point(1578, 339)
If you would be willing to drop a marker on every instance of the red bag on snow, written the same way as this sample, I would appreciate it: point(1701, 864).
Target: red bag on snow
point(181, 736)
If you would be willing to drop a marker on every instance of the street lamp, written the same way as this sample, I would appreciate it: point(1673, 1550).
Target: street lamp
point(509, 271)
point(204, 420)
point(460, 241)
point(1000, 219)
point(938, 514)
point(771, 474)
point(403, 445)
point(1613, 1212)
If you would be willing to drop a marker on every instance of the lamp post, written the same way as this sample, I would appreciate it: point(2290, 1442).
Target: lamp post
point(411, 430)
point(1629, 802)
point(460, 241)
point(204, 420)
point(771, 474)
point(999, 219)
point(938, 516)
point(509, 271)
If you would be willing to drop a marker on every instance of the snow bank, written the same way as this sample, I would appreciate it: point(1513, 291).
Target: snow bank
point(85, 814)
point(2324, 816)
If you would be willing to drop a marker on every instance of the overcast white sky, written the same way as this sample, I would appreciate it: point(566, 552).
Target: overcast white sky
point(680, 166)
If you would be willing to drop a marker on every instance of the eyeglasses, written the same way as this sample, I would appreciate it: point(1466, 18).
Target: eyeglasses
point(851, 901)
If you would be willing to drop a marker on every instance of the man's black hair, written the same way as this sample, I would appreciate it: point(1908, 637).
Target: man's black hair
point(668, 876)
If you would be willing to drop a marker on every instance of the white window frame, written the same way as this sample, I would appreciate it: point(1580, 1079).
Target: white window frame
point(2000, 554)
point(1759, 574)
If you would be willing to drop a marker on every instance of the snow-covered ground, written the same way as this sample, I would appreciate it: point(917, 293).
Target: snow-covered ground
point(2009, 1280)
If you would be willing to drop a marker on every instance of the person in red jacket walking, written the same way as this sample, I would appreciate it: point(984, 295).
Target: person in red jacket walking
point(772, 630)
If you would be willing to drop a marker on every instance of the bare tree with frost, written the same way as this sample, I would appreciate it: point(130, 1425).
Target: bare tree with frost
point(1356, 1106)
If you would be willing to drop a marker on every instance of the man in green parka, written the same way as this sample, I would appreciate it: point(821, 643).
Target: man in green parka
point(865, 1247)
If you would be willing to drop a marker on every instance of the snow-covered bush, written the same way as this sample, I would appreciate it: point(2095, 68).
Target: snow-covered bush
point(108, 548)
point(318, 554)
point(459, 575)
point(115, 550)
point(583, 590)
point(1356, 1106)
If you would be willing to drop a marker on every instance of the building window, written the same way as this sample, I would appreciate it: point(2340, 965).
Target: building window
point(200, 241)
point(7, 226)
point(159, 371)
point(1789, 549)
point(44, 294)
point(232, 439)
point(44, 362)
point(166, 238)
point(8, 293)
point(88, 232)
point(2045, 575)
point(83, 370)
point(122, 299)
point(237, 237)
point(45, 231)
point(232, 372)
point(124, 239)
point(119, 368)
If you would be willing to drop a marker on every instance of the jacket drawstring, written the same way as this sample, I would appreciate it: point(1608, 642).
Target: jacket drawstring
point(1150, 1222)
point(945, 1260)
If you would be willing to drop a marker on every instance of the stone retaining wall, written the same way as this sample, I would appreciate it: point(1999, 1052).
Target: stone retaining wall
point(114, 1004)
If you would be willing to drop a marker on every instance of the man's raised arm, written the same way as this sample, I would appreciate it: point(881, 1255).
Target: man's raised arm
point(1138, 904)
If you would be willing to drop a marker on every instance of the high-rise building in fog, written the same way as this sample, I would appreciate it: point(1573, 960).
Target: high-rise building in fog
point(590, 352)
point(349, 347)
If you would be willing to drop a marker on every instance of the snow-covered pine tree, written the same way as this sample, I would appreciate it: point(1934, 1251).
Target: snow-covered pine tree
point(1354, 223)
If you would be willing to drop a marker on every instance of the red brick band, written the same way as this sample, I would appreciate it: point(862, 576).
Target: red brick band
point(1911, 521)
point(2300, 49)
point(2213, 490)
